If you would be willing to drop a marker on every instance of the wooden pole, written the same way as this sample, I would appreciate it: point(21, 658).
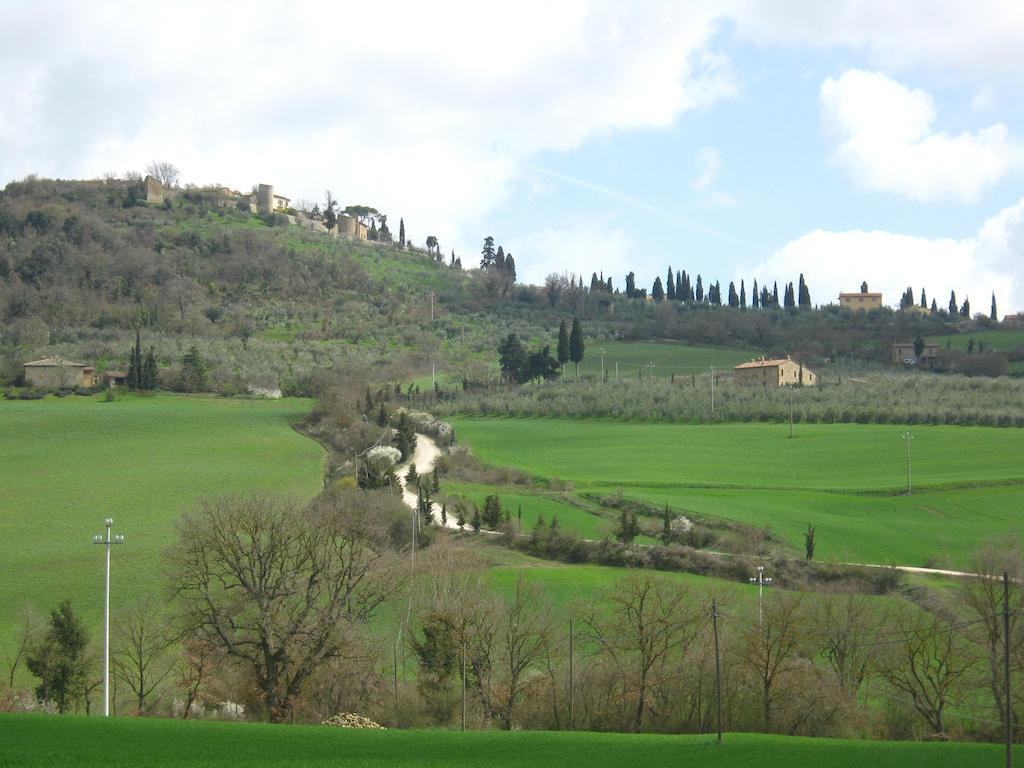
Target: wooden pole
point(718, 672)
point(1006, 669)
point(572, 697)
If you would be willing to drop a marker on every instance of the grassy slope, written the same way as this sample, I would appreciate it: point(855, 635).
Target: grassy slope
point(1004, 341)
point(668, 357)
point(69, 463)
point(70, 741)
point(754, 473)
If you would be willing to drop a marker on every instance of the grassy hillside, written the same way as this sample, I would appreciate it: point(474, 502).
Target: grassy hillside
point(55, 742)
point(69, 463)
point(668, 358)
point(845, 479)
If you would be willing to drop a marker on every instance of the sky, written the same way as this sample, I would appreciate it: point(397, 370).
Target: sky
point(848, 141)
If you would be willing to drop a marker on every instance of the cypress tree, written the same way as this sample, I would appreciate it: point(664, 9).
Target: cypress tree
point(679, 288)
point(993, 315)
point(149, 371)
point(699, 291)
point(576, 344)
point(804, 298)
point(952, 303)
point(924, 300)
point(476, 519)
point(666, 526)
point(775, 294)
point(965, 309)
point(563, 344)
point(935, 306)
point(754, 297)
point(743, 295)
point(401, 234)
point(734, 298)
point(670, 286)
point(788, 300)
point(657, 292)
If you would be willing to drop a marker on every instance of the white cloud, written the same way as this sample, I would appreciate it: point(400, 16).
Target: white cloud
point(709, 163)
point(974, 267)
point(981, 36)
point(583, 246)
point(423, 110)
point(886, 141)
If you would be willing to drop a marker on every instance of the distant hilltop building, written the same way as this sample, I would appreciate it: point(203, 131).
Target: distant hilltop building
point(861, 301)
point(780, 372)
point(58, 373)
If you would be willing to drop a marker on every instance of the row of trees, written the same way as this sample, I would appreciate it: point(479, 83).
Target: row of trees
point(963, 310)
point(640, 655)
point(680, 287)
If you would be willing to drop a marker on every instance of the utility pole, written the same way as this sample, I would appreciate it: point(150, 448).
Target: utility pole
point(712, 391)
point(760, 580)
point(908, 436)
point(433, 376)
point(572, 700)
point(1006, 670)
point(602, 353)
point(718, 671)
point(463, 685)
point(106, 541)
point(397, 641)
point(431, 306)
point(616, 370)
point(650, 368)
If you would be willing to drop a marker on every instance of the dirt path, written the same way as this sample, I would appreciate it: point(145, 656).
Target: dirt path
point(423, 457)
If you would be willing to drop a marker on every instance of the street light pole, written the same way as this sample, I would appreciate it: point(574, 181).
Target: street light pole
point(908, 436)
point(760, 580)
point(106, 541)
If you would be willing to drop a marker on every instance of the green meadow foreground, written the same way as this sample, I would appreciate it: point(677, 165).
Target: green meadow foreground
point(34, 740)
point(848, 480)
point(69, 463)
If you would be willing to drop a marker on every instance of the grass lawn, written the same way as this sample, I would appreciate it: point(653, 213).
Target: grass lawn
point(69, 463)
point(54, 742)
point(668, 357)
point(846, 479)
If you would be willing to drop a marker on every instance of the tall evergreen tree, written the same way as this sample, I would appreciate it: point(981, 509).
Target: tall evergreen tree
point(743, 295)
point(630, 285)
point(562, 353)
point(993, 315)
point(788, 300)
point(593, 282)
point(576, 344)
point(657, 292)
point(698, 294)
point(952, 303)
point(775, 294)
point(755, 297)
point(487, 253)
point(679, 288)
point(924, 300)
point(965, 308)
point(401, 233)
point(330, 212)
point(804, 298)
point(149, 371)
point(734, 298)
point(670, 286)
point(935, 306)
point(134, 377)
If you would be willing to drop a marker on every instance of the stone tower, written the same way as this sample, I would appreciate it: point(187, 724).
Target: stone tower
point(265, 199)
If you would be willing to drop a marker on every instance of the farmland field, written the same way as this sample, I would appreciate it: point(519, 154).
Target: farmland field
point(846, 479)
point(668, 357)
point(69, 463)
point(33, 740)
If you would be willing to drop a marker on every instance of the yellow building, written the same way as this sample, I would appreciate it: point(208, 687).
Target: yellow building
point(57, 373)
point(781, 372)
point(860, 301)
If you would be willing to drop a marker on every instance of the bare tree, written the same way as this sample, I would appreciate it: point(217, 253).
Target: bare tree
point(927, 664)
point(198, 660)
point(846, 626)
point(276, 586)
point(650, 620)
point(164, 172)
point(769, 648)
point(983, 599)
point(524, 635)
point(29, 628)
point(141, 659)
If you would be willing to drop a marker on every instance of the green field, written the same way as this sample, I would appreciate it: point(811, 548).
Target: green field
point(54, 742)
point(69, 463)
point(1003, 341)
point(846, 479)
point(669, 357)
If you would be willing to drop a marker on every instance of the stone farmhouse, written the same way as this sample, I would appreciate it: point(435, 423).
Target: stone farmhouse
point(263, 200)
point(57, 373)
point(904, 353)
point(860, 301)
point(781, 372)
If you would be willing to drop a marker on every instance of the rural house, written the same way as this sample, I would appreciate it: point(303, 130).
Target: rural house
point(905, 353)
point(860, 301)
point(57, 373)
point(774, 373)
